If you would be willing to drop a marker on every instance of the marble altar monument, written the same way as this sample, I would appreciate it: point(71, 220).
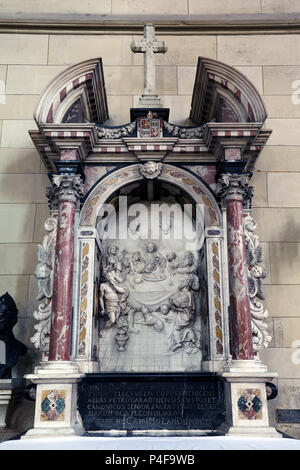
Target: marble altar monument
point(150, 275)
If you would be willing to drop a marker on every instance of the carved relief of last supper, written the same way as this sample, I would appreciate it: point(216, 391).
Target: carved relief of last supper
point(149, 304)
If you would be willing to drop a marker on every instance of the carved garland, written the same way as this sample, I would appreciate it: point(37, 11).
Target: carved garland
point(256, 273)
point(184, 132)
point(44, 275)
point(116, 132)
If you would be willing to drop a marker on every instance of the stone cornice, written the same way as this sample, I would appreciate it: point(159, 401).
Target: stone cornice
point(218, 136)
point(51, 139)
point(165, 24)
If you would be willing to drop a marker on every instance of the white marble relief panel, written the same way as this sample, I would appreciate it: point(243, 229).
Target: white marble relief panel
point(150, 300)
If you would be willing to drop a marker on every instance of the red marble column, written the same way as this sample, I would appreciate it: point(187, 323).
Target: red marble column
point(67, 189)
point(234, 189)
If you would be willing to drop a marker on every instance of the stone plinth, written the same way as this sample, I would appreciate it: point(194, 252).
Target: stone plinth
point(56, 400)
point(246, 398)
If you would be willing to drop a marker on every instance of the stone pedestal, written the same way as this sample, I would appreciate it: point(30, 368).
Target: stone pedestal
point(246, 399)
point(6, 390)
point(56, 400)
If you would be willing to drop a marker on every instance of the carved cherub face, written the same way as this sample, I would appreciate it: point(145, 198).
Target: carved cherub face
point(150, 167)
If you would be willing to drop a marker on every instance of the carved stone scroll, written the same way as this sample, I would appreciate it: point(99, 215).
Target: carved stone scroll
point(256, 273)
point(44, 275)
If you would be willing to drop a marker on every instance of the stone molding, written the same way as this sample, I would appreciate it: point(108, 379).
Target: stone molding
point(165, 24)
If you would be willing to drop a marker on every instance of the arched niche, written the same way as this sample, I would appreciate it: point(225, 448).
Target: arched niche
point(91, 252)
point(189, 182)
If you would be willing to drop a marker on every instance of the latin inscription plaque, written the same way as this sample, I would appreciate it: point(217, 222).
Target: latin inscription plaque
point(151, 401)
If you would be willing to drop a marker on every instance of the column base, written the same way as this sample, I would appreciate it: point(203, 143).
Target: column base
point(53, 432)
point(248, 366)
point(253, 432)
point(56, 400)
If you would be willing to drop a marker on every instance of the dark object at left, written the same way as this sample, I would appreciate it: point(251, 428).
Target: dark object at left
point(14, 349)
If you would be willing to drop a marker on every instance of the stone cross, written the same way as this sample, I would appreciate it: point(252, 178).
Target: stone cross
point(149, 46)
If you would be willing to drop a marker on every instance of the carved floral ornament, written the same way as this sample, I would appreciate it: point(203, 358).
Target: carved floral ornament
point(44, 274)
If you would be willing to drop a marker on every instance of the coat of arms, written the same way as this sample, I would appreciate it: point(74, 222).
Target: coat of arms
point(149, 127)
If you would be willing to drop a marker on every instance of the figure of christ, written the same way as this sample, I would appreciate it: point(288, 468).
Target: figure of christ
point(155, 262)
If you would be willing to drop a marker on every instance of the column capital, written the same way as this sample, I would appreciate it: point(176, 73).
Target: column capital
point(235, 187)
point(67, 188)
point(51, 195)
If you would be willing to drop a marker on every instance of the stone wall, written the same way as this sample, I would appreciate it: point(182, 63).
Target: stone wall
point(31, 58)
point(126, 7)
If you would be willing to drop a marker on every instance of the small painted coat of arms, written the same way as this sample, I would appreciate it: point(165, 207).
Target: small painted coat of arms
point(53, 405)
point(250, 404)
point(149, 127)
